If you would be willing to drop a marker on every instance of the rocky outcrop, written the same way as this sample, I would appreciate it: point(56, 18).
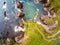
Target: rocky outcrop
point(43, 1)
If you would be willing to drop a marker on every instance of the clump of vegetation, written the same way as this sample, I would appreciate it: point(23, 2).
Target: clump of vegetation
point(55, 5)
point(48, 20)
point(58, 19)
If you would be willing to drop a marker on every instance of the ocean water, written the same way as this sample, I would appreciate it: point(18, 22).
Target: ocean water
point(1, 15)
point(29, 8)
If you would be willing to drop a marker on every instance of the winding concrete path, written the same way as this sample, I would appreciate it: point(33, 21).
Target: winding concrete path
point(47, 30)
point(54, 34)
point(50, 36)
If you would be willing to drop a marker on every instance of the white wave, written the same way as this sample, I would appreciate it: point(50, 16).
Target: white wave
point(18, 28)
point(4, 6)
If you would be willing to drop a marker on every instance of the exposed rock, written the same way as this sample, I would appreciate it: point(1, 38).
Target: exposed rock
point(19, 4)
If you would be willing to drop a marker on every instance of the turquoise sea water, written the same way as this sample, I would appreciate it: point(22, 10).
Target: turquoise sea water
point(30, 9)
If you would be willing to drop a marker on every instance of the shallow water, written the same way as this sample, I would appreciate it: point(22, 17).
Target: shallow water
point(30, 9)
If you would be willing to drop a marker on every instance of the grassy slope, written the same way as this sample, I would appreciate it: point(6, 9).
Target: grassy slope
point(34, 37)
point(57, 18)
point(55, 4)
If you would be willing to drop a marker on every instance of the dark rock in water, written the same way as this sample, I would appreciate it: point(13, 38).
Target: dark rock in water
point(4, 2)
point(43, 1)
point(5, 14)
point(21, 16)
point(45, 13)
point(19, 5)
